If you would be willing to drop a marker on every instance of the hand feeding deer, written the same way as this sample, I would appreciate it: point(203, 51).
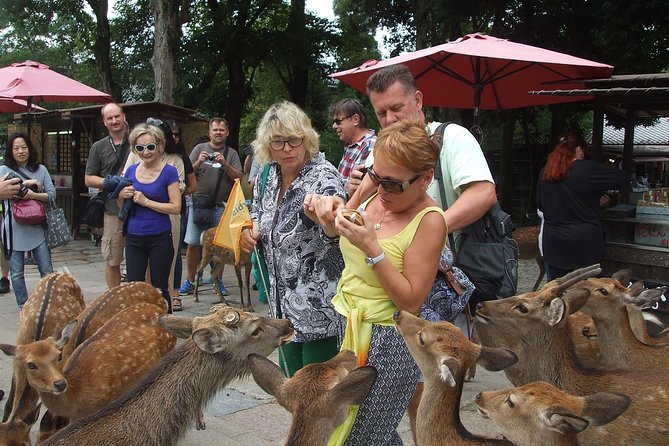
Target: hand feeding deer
point(220, 257)
point(541, 414)
point(161, 407)
point(56, 301)
point(444, 354)
point(536, 327)
point(318, 395)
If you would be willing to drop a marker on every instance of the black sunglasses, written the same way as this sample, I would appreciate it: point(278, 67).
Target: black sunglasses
point(339, 121)
point(390, 186)
point(150, 147)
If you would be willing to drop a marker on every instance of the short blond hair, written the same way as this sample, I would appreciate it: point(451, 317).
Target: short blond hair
point(284, 120)
point(146, 129)
point(406, 144)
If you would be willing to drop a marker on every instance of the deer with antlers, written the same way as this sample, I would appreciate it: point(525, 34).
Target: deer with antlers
point(536, 327)
point(220, 257)
point(444, 354)
point(541, 414)
point(318, 395)
point(161, 407)
point(56, 301)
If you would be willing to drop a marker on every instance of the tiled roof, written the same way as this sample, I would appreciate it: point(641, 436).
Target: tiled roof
point(655, 135)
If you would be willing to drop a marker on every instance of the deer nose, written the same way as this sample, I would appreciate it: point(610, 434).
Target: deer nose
point(60, 385)
point(479, 305)
point(478, 396)
point(585, 331)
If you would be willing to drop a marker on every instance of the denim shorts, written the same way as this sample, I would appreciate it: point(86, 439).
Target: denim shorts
point(194, 232)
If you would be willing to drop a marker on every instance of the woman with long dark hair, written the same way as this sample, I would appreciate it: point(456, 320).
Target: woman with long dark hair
point(21, 159)
point(568, 194)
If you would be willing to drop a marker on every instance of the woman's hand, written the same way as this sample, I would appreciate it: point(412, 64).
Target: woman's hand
point(33, 184)
point(127, 192)
point(249, 238)
point(362, 237)
point(139, 198)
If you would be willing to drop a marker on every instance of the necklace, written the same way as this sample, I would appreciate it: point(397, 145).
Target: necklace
point(377, 225)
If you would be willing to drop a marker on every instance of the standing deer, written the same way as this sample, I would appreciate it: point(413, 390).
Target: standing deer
point(101, 368)
point(527, 238)
point(536, 327)
point(318, 395)
point(161, 407)
point(220, 257)
point(56, 301)
point(444, 354)
point(540, 414)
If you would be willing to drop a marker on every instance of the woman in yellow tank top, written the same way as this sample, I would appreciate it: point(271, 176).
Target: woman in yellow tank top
point(390, 264)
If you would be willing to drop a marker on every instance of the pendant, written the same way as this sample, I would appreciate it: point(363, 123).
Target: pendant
point(377, 226)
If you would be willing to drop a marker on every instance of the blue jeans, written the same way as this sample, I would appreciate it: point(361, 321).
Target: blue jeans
point(17, 261)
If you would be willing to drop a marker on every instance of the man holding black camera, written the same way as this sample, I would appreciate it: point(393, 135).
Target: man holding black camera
point(216, 166)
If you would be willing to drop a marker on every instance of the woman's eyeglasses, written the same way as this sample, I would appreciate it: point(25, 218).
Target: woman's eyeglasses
point(279, 144)
point(390, 186)
point(150, 147)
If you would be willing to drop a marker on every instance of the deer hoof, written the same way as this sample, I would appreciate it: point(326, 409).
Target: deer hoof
point(200, 425)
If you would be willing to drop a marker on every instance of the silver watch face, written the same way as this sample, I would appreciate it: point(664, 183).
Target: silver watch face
point(369, 261)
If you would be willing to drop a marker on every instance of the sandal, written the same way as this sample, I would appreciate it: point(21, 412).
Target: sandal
point(176, 304)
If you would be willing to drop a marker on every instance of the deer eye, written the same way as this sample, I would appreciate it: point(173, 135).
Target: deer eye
point(32, 366)
point(523, 309)
point(603, 291)
point(257, 331)
point(60, 356)
point(509, 403)
point(420, 339)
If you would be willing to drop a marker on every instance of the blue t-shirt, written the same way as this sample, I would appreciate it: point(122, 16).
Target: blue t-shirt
point(145, 221)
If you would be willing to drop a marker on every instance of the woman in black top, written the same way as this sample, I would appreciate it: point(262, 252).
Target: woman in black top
point(568, 194)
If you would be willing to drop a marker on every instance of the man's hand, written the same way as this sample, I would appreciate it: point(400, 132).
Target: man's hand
point(355, 178)
point(8, 188)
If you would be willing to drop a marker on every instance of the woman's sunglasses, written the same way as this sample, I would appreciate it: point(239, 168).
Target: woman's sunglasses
point(150, 147)
point(390, 186)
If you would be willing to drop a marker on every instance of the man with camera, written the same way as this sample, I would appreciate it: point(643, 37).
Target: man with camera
point(107, 157)
point(216, 166)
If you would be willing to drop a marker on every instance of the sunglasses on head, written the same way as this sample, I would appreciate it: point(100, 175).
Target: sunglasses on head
point(150, 147)
point(154, 121)
point(390, 186)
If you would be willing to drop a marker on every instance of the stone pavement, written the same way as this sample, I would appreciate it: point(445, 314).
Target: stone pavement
point(242, 413)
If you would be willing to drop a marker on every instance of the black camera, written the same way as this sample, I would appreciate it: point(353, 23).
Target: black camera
point(212, 157)
point(12, 175)
point(23, 189)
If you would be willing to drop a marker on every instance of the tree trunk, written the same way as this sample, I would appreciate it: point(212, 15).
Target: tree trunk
point(165, 49)
point(299, 80)
point(506, 162)
point(237, 99)
point(101, 49)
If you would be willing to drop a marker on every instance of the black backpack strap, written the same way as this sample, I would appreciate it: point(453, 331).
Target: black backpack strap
point(438, 138)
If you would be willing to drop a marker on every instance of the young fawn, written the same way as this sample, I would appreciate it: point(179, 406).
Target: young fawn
point(161, 407)
point(541, 414)
point(220, 257)
point(318, 395)
point(444, 354)
point(527, 238)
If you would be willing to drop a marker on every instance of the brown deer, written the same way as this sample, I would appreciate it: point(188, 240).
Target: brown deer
point(220, 257)
point(101, 368)
point(536, 327)
point(607, 306)
point(161, 407)
point(444, 354)
point(541, 414)
point(318, 395)
point(56, 301)
point(527, 238)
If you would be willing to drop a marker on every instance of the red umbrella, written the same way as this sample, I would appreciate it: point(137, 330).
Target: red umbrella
point(35, 82)
point(17, 106)
point(481, 71)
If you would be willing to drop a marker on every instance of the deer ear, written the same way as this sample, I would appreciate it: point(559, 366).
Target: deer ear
point(266, 374)
point(208, 340)
point(10, 350)
point(623, 276)
point(179, 326)
point(604, 407)
point(353, 389)
point(449, 368)
point(495, 359)
point(646, 298)
point(560, 419)
point(65, 335)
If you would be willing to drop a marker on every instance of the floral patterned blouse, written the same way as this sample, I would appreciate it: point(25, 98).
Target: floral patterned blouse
point(303, 263)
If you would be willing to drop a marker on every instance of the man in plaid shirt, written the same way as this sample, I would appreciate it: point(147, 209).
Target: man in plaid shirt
point(350, 122)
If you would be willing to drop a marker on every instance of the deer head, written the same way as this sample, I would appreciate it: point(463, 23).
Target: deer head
point(539, 413)
point(17, 432)
point(318, 395)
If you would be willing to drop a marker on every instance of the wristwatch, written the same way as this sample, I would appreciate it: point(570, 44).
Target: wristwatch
point(371, 261)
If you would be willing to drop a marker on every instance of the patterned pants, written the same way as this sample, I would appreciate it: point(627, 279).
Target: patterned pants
point(379, 416)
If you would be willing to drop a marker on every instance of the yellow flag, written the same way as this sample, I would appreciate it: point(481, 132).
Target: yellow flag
point(235, 218)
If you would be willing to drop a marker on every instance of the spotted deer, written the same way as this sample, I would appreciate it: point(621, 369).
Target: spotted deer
point(444, 354)
point(536, 327)
point(161, 407)
point(100, 369)
point(56, 301)
point(607, 306)
point(527, 238)
point(220, 257)
point(541, 414)
point(317, 396)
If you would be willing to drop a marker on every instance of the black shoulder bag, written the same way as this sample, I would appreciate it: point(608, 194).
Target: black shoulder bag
point(94, 215)
point(203, 204)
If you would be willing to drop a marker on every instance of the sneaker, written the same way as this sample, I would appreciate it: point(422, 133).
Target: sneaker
point(4, 285)
point(207, 281)
point(224, 290)
point(187, 288)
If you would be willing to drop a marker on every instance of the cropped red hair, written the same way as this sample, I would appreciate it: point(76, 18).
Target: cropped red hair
point(561, 158)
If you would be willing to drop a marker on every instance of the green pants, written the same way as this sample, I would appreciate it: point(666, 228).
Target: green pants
point(296, 355)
